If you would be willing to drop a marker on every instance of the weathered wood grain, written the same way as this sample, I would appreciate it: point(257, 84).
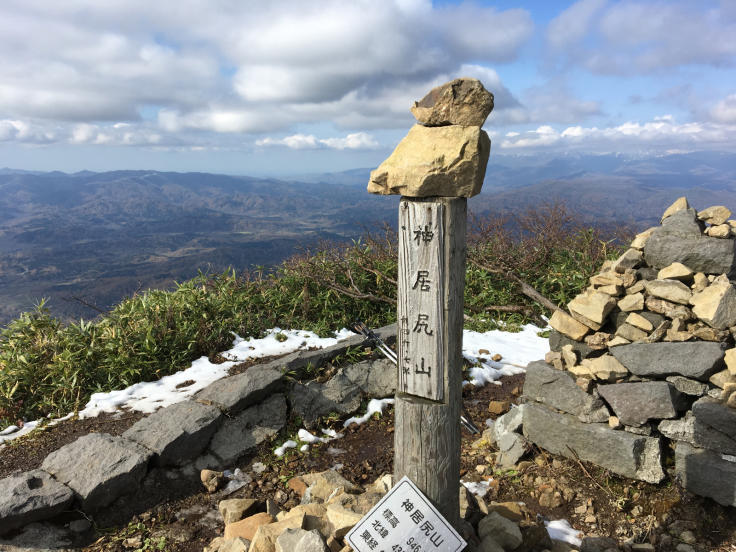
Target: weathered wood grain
point(427, 432)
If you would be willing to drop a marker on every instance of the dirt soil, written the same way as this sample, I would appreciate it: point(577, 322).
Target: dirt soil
point(177, 514)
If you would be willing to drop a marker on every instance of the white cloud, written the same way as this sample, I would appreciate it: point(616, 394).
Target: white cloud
point(662, 133)
point(633, 36)
point(353, 141)
point(725, 110)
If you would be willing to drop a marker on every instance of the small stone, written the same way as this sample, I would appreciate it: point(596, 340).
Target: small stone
point(569, 356)
point(669, 290)
point(640, 322)
point(670, 310)
point(718, 214)
point(297, 485)
point(484, 352)
point(211, 479)
point(496, 358)
point(720, 231)
point(730, 360)
point(551, 356)
point(618, 340)
point(567, 325)
point(716, 305)
point(613, 291)
point(679, 205)
point(481, 468)
point(659, 332)
point(593, 306)
point(631, 333)
point(676, 271)
point(607, 279)
point(504, 531)
point(638, 287)
point(459, 102)
point(630, 259)
point(247, 527)
point(498, 407)
point(605, 368)
point(720, 379)
point(634, 302)
point(731, 401)
point(700, 282)
point(236, 509)
point(640, 239)
point(614, 422)
point(597, 341)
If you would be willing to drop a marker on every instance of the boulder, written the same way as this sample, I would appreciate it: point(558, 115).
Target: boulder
point(313, 400)
point(375, 378)
point(701, 253)
point(459, 102)
point(448, 161)
point(698, 434)
point(718, 214)
point(669, 290)
point(720, 231)
point(630, 455)
point(237, 393)
point(177, 433)
point(637, 403)
point(676, 271)
point(706, 473)
point(31, 496)
point(716, 305)
point(511, 448)
point(696, 360)
point(99, 468)
point(242, 433)
point(558, 390)
point(716, 415)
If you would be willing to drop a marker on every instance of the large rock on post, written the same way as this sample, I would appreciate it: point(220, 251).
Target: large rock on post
point(634, 456)
point(99, 468)
point(447, 161)
point(31, 496)
point(459, 102)
point(698, 360)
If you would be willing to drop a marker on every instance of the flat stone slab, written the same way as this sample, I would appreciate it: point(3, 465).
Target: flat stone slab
point(699, 253)
point(31, 496)
point(243, 433)
point(698, 360)
point(99, 467)
point(707, 473)
point(236, 393)
point(636, 403)
point(634, 456)
point(716, 415)
point(698, 434)
point(557, 389)
point(177, 433)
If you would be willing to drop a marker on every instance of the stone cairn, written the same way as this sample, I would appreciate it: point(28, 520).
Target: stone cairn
point(644, 360)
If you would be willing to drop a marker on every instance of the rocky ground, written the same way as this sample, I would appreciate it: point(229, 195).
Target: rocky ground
point(594, 501)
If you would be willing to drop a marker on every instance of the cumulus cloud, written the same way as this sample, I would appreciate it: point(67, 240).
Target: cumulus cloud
point(661, 133)
point(725, 110)
point(634, 36)
point(237, 67)
point(353, 141)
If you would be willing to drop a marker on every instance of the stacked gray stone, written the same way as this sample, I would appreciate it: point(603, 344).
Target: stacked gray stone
point(645, 356)
point(225, 421)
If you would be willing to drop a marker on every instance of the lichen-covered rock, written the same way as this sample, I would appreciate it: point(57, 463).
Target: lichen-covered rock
point(459, 102)
point(448, 161)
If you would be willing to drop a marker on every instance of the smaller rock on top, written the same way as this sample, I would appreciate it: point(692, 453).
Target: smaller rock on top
point(463, 102)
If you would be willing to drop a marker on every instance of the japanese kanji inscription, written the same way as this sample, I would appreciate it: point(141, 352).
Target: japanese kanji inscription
point(421, 300)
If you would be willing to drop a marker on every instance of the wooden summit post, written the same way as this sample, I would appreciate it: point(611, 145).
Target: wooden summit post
point(435, 168)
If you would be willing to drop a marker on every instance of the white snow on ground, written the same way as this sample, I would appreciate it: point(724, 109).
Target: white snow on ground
point(147, 397)
point(478, 488)
point(561, 530)
point(516, 349)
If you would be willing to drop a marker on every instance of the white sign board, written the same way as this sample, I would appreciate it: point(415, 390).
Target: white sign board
point(421, 306)
point(404, 521)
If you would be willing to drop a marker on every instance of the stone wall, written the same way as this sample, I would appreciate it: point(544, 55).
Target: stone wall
point(643, 365)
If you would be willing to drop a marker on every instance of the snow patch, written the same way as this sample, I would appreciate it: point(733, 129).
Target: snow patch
point(561, 530)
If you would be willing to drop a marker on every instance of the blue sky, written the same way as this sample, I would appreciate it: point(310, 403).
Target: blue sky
point(290, 87)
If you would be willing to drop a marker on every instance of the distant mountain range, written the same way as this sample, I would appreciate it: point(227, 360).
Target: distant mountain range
point(97, 237)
